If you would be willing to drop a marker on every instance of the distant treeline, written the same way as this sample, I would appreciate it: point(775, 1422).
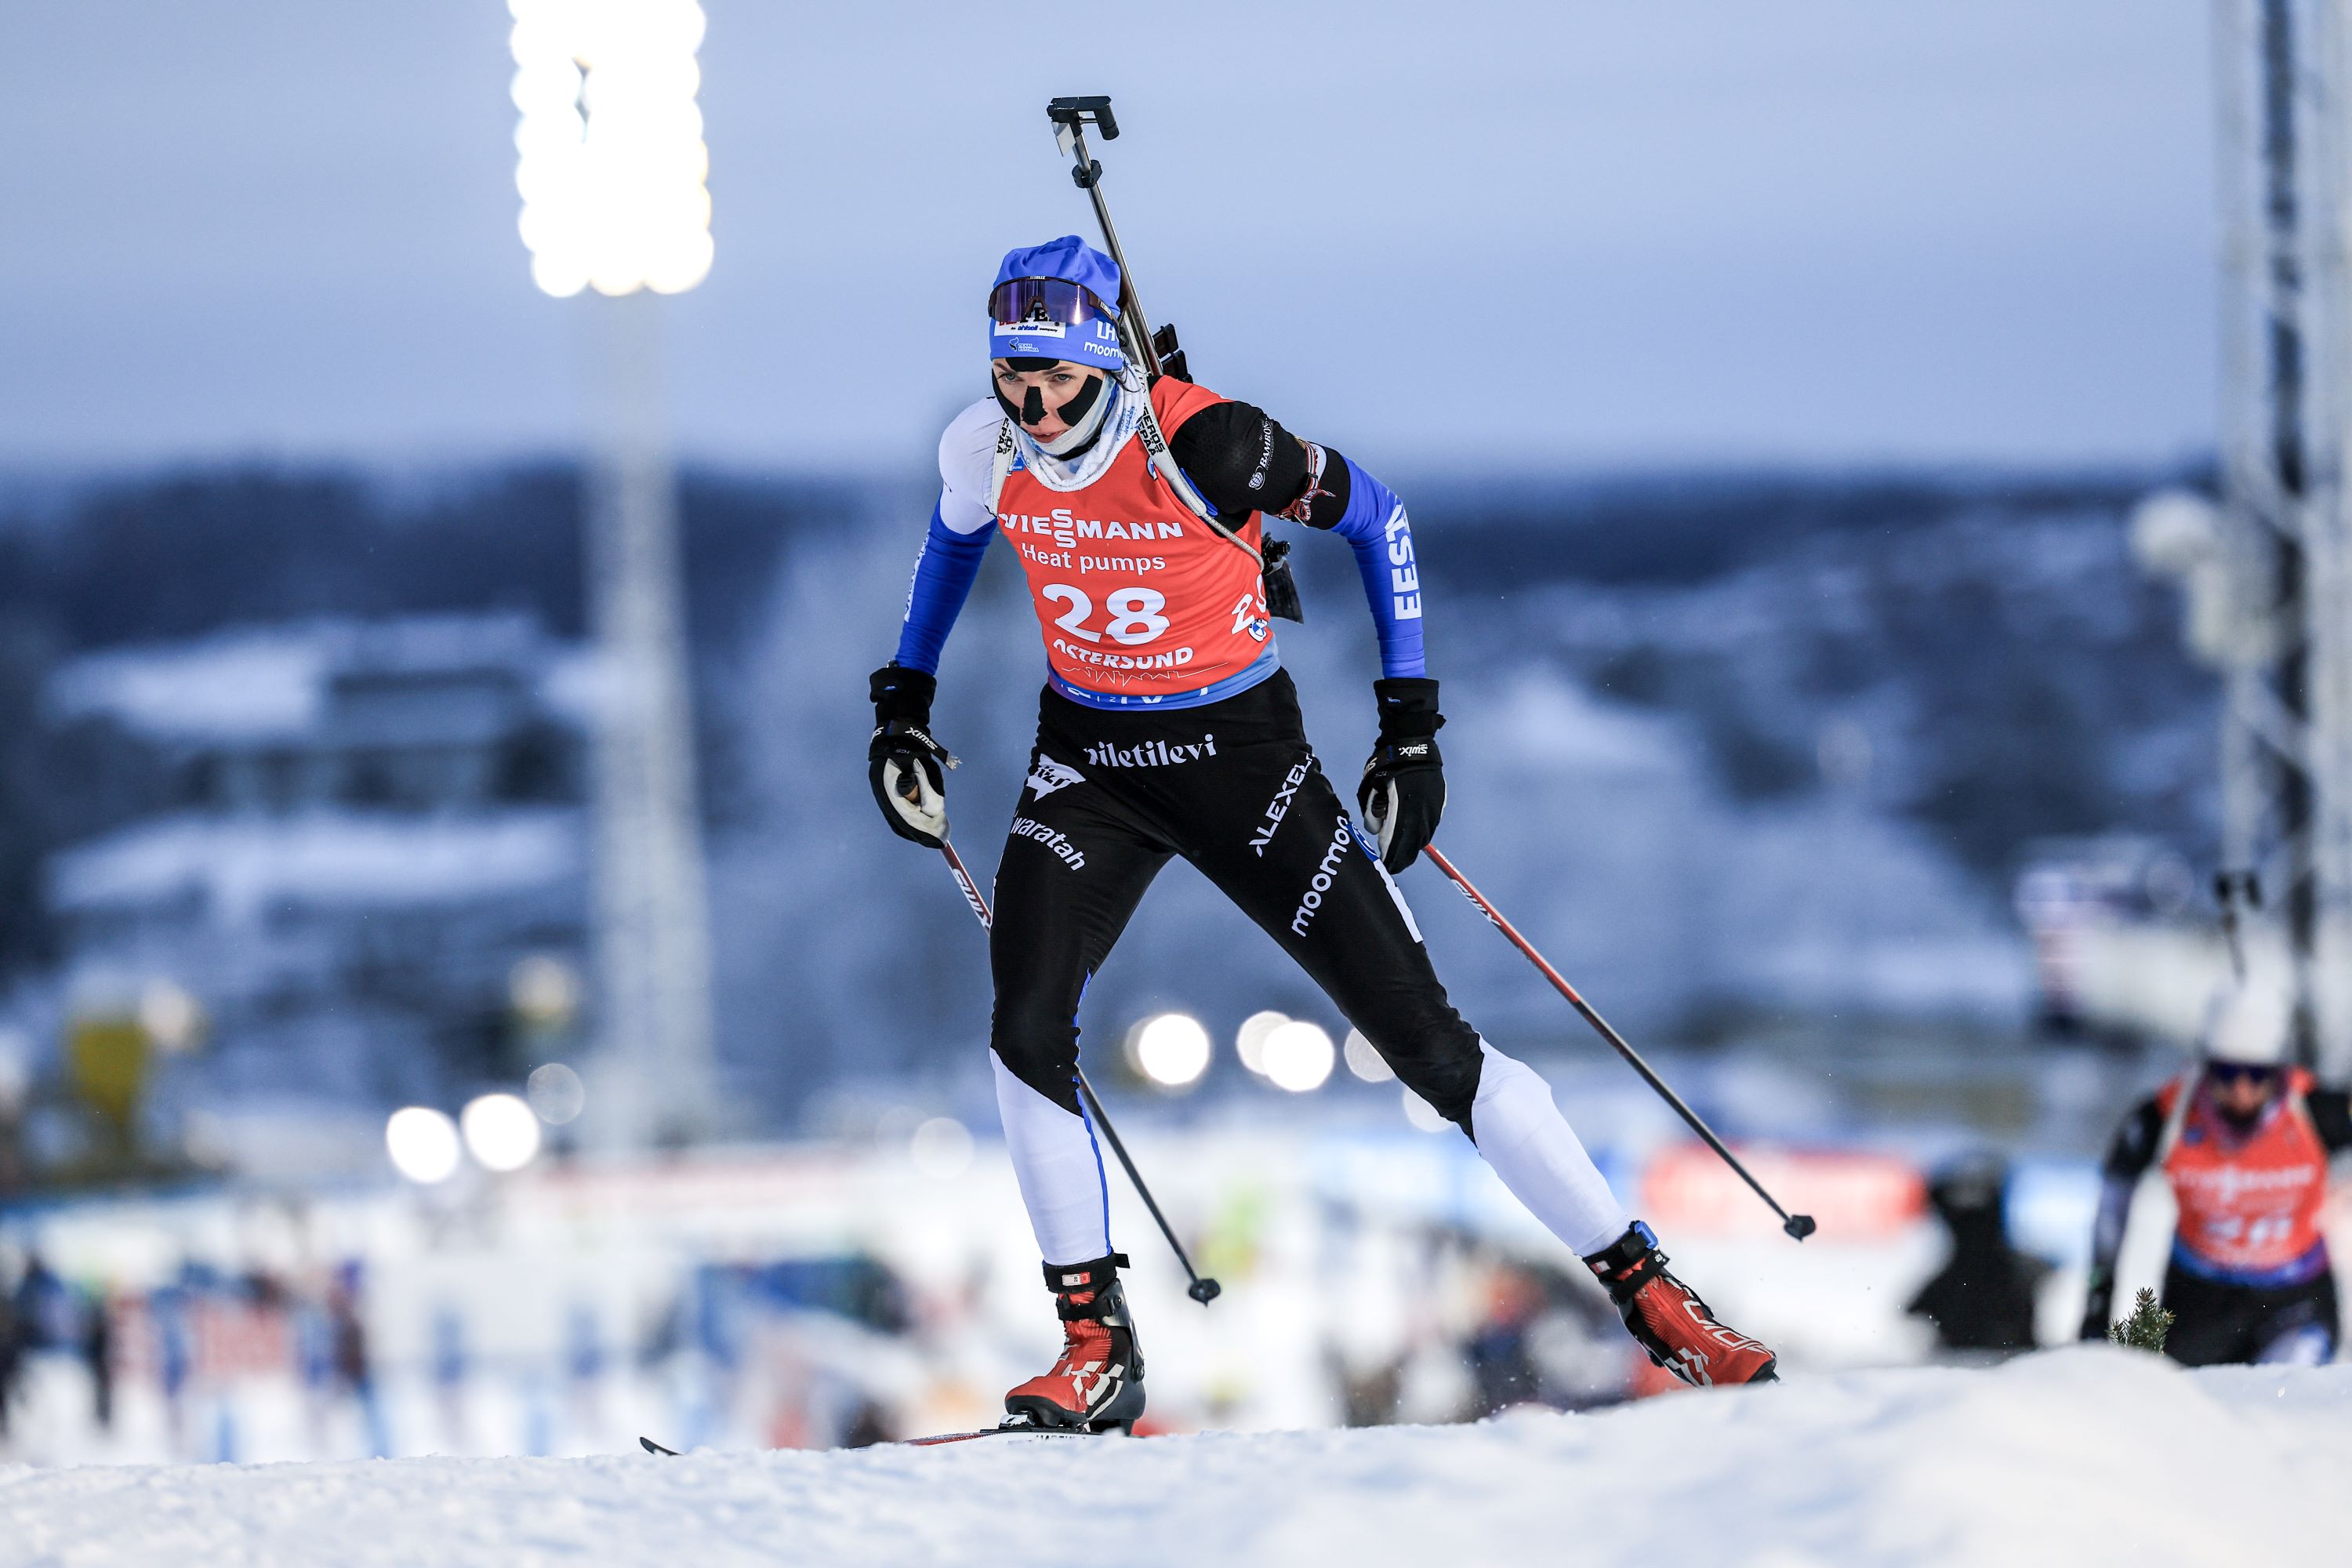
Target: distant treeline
point(2032, 685)
point(179, 556)
point(1676, 530)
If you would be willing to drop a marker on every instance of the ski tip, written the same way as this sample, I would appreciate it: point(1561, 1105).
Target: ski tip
point(650, 1446)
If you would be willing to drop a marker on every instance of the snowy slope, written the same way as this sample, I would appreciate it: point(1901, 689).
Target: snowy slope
point(2077, 1456)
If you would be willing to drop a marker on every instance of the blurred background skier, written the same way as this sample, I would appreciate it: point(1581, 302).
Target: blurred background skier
point(2244, 1139)
point(1167, 727)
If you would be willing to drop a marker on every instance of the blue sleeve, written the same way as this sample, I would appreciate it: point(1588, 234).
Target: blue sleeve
point(943, 578)
point(1376, 527)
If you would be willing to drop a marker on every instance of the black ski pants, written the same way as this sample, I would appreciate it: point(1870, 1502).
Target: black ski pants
point(1233, 787)
point(2219, 1324)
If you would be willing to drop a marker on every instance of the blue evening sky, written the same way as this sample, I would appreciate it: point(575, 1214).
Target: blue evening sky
point(1574, 233)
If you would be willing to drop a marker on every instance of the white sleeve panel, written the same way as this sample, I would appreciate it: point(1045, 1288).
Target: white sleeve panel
point(967, 457)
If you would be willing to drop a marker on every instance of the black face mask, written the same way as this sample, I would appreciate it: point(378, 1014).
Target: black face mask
point(1031, 411)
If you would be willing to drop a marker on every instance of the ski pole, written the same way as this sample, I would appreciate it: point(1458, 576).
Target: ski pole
point(1202, 1289)
point(1799, 1225)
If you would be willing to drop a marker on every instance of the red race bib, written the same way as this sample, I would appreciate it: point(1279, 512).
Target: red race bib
point(1136, 595)
point(2250, 1206)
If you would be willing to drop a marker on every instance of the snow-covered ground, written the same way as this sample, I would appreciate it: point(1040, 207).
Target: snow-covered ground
point(2074, 1457)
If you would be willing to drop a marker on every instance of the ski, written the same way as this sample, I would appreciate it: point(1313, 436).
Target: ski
point(1008, 1429)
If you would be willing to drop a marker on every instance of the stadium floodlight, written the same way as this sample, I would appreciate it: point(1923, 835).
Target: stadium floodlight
point(611, 161)
point(1299, 1055)
point(423, 1143)
point(1171, 1049)
point(611, 168)
point(502, 1132)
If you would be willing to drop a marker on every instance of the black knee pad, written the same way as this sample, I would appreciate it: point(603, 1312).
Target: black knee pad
point(1040, 1049)
point(1440, 1061)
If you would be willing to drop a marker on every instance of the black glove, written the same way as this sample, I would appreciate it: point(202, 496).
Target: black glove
point(904, 762)
point(1404, 791)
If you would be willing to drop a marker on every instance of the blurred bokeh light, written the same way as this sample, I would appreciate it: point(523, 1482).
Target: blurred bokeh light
point(1171, 1049)
point(423, 1143)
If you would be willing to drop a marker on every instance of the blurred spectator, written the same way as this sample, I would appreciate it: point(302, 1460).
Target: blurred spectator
point(97, 1350)
point(1502, 1365)
point(176, 1350)
point(45, 1307)
point(869, 1425)
point(354, 1372)
point(1367, 1394)
point(1982, 1298)
point(16, 1173)
point(11, 1355)
point(450, 1370)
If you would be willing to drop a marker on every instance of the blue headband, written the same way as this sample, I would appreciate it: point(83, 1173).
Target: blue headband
point(1094, 342)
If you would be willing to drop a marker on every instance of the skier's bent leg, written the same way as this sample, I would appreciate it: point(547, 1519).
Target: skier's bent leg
point(1034, 1052)
point(1521, 1133)
point(1327, 900)
point(2301, 1331)
point(1059, 1169)
point(1531, 1147)
point(1097, 1380)
point(1073, 871)
point(1070, 877)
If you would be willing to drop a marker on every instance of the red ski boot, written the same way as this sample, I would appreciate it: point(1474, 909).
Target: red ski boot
point(1669, 1320)
point(1097, 1383)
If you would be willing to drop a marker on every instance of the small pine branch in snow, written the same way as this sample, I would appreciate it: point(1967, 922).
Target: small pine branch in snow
point(2146, 1327)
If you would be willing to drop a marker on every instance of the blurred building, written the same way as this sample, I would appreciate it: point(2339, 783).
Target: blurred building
point(368, 883)
point(2113, 924)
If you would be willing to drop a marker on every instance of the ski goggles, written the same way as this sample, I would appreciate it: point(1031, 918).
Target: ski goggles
point(1051, 317)
point(2242, 1072)
point(1022, 299)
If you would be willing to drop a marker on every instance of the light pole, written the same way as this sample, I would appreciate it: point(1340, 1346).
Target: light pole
point(2281, 556)
point(611, 168)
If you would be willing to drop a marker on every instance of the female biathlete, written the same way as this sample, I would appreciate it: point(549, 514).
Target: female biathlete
point(2244, 1141)
point(1167, 727)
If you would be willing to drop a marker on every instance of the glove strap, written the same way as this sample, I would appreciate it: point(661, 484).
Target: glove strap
point(898, 692)
point(1408, 707)
point(909, 736)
